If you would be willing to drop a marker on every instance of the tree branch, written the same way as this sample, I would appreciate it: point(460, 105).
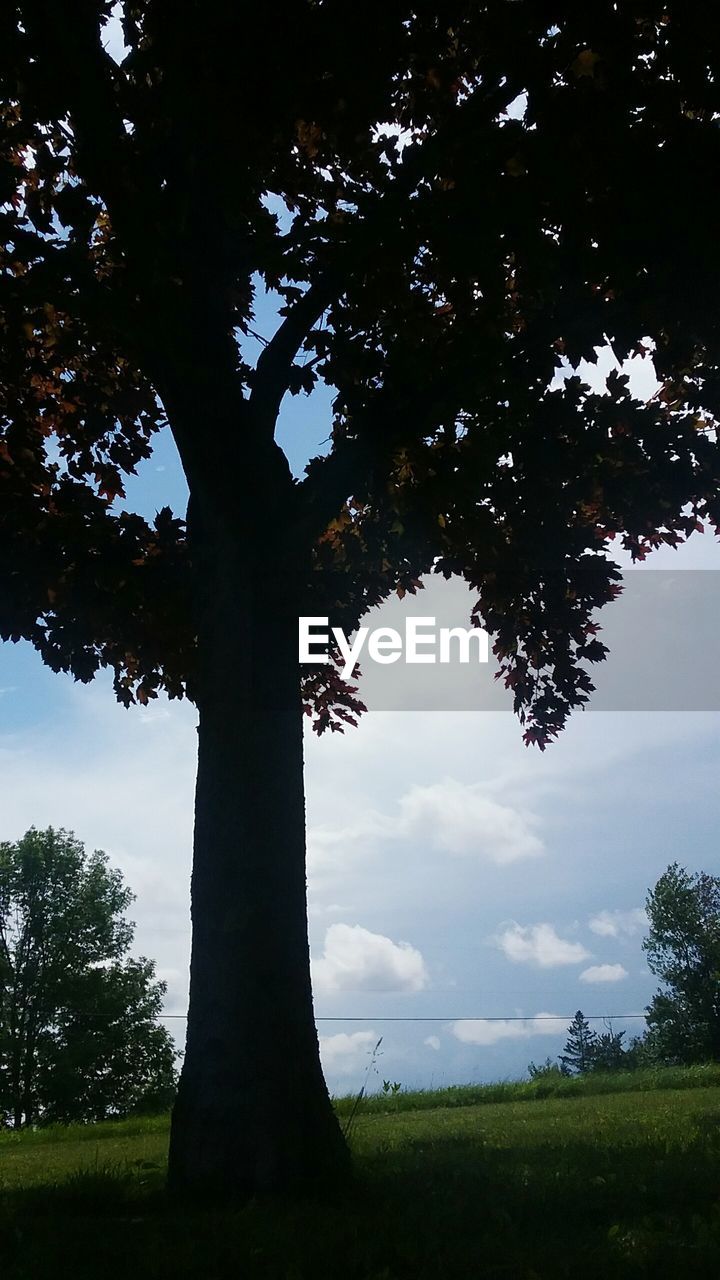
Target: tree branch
point(82, 78)
point(328, 484)
point(272, 372)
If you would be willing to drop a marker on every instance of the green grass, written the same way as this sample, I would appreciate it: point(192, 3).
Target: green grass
point(555, 1086)
point(600, 1180)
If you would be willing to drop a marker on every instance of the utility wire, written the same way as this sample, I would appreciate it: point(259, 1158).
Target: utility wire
point(547, 1017)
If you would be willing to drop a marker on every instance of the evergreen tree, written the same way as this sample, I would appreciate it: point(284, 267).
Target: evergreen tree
point(579, 1047)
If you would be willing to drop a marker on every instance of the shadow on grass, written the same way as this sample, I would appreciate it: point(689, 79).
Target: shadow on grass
point(442, 1208)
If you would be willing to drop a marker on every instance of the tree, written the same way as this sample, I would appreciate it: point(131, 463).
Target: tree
point(683, 950)
point(639, 1053)
point(448, 201)
point(78, 1032)
point(607, 1052)
point(547, 1070)
point(579, 1053)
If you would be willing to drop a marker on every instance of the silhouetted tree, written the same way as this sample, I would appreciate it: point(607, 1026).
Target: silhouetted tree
point(453, 203)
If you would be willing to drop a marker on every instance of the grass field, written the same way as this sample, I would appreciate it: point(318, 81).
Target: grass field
point(597, 1180)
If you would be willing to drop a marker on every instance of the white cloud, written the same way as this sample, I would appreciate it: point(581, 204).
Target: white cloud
point(604, 973)
point(337, 848)
point(123, 782)
point(176, 996)
point(343, 1053)
point(485, 1031)
point(432, 1042)
point(460, 819)
point(539, 944)
point(354, 959)
point(450, 816)
point(316, 909)
point(614, 924)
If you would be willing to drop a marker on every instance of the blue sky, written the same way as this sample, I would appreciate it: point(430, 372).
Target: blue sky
point(453, 872)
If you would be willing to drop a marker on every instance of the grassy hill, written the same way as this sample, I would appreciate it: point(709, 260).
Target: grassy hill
point(614, 1176)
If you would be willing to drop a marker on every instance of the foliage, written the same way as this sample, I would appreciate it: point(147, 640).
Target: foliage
point(556, 1084)
point(608, 1052)
point(621, 1186)
point(547, 1070)
point(683, 950)
point(642, 1053)
point(450, 203)
point(587, 1051)
point(78, 1033)
point(579, 1051)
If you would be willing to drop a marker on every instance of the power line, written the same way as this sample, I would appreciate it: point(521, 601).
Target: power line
point(550, 1017)
point(476, 1017)
point(546, 1017)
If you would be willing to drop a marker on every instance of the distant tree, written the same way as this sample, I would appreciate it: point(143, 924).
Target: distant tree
point(547, 1070)
point(683, 950)
point(607, 1052)
point(642, 1051)
point(78, 1033)
point(579, 1047)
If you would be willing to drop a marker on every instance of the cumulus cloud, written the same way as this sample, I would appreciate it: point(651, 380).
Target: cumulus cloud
point(455, 818)
point(354, 959)
point(486, 1031)
point(460, 819)
point(332, 848)
point(616, 924)
point(604, 973)
point(344, 1053)
point(432, 1042)
point(539, 944)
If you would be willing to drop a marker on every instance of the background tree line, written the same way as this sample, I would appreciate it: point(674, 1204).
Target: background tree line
point(79, 1032)
point(683, 1018)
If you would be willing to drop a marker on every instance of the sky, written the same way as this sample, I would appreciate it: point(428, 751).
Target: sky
point(477, 889)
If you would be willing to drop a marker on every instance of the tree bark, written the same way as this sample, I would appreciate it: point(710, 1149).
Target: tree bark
point(253, 1112)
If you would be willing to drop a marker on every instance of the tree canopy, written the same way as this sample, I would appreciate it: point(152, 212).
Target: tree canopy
point(79, 1038)
point(683, 950)
point(450, 201)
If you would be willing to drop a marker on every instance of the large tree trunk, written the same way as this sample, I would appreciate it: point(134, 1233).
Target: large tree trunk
point(253, 1111)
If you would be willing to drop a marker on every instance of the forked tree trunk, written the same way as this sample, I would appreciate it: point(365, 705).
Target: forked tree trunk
point(253, 1111)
